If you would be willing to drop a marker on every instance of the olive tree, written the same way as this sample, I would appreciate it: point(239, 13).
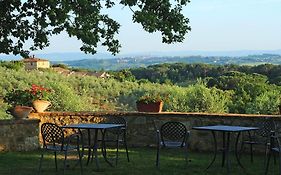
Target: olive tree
point(37, 20)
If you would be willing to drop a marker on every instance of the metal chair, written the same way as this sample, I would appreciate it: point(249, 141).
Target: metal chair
point(54, 141)
point(116, 136)
point(259, 137)
point(172, 135)
point(274, 148)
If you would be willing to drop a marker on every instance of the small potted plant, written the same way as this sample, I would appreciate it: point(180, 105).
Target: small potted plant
point(40, 97)
point(20, 102)
point(150, 103)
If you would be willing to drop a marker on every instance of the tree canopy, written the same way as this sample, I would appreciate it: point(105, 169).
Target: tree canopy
point(37, 20)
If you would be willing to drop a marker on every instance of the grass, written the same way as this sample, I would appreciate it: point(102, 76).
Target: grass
point(142, 163)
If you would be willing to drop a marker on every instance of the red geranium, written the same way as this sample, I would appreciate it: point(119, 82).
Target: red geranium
point(39, 92)
point(26, 96)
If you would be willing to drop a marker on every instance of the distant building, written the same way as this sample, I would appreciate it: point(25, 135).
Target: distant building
point(99, 74)
point(62, 71)
point(35, 63)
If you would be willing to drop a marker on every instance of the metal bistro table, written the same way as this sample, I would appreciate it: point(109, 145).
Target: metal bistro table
point(96, 127)
point(226, 131)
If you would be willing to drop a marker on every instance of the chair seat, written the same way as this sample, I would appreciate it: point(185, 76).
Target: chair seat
point(255, 142)
point(59, 148)
point(276, 149)
point(172, 144)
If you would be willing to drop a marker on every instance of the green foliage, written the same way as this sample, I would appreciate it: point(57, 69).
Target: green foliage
point(151, 98)
point(16, 65)
point(36, 21)
point(18, 97)
point(124, 75)
point(64, 66)
point(199, 98)
point(233, 92)
point(265, 103)
point(252, 93)
point(24, 97)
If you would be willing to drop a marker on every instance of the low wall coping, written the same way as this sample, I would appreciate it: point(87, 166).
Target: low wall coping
point(154, 114)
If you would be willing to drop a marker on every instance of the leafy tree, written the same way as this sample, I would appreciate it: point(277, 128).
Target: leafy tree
point(124, 75)
point(37, 20)
point(16, 65)
point(64, 66)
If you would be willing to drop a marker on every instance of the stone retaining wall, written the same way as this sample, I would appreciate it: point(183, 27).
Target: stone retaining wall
point(19, 135)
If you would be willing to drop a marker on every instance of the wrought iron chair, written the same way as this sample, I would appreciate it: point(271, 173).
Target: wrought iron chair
point(114, 135)
point(54, 141)
point(172, 135)
point(274, 148)
point(259, 137)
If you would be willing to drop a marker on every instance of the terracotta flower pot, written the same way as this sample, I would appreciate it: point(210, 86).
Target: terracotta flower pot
point(40, 105)
point(150, 107)
point(21, 112)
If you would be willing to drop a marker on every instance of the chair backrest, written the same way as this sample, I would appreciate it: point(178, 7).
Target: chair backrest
point(266, 126)
point(52, 134)
point(113, 120)
point(173, 131)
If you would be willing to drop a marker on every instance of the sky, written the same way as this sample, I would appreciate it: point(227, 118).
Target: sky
point(217, 25)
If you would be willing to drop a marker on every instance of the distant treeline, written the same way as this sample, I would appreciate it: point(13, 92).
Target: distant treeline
point(181, 73)
point(134, 62)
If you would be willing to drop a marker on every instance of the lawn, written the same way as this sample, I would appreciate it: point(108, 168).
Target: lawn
point(142, 163)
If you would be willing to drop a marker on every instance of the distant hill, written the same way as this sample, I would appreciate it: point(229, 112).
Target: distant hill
point(144, 61)
point(70, 56)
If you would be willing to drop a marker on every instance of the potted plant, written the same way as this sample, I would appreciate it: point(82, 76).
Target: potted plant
point(20, 102)
point(40, 97)
point(150, 103)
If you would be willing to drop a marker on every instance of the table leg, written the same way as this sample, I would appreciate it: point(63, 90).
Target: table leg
point(236, 150)
point(215, 150)
point(227, 152)
point(89, 146)
point(104, 148)
point(95, 148)
point(223, 149)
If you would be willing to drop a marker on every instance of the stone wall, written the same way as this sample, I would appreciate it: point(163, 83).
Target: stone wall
point(19, 135)
point(141, 131)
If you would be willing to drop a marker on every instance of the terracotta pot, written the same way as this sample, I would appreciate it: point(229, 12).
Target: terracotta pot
point(150, 107)
point(21, 112)
point(40, 105)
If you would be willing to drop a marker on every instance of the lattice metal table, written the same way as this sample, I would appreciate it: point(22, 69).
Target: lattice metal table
point(226, 131)
point(96, 127)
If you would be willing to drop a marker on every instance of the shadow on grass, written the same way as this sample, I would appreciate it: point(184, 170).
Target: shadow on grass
point(142, 162)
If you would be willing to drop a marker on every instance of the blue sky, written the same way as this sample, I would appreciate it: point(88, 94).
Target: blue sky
point(217, 25)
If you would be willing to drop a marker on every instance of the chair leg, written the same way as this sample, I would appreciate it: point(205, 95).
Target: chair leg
point(117, 149)
point(80, 159)
point(186, 153)
point(64, 162)
point(40, 163)
point(157, 156)
point(56, 162)
point(267, 149)
point(252, 157)
point(126, 147)
point(279, 154)
point(267, 163)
